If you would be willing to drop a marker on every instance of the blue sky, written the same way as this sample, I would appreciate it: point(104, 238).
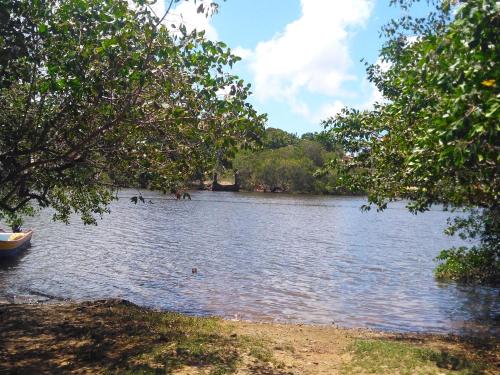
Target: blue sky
point(302, 57)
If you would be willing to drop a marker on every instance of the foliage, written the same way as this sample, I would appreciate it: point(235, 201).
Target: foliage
point(434, 139)
point(479, 263)
point(277, 138)
point(375, 356)
point(324, 139)
point(475, 264)
point(92, 89)
point(288, 168)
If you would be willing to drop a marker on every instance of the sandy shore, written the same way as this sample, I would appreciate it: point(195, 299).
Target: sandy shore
point(115, 337)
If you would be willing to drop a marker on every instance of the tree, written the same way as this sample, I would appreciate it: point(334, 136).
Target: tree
point(275, 138)
point(324, 139)
point(434, 139)
point(92, 88)
point(290, 168)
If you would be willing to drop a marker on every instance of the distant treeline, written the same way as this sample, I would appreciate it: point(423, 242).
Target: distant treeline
point(287, 163)
point(284, 162)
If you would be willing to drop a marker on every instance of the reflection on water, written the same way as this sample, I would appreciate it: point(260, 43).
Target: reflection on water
point(260, 257)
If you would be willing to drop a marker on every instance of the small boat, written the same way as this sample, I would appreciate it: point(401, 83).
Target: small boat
point(12, 243)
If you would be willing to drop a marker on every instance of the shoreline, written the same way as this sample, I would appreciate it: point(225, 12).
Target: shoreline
point(38, 298)
point(120, 337)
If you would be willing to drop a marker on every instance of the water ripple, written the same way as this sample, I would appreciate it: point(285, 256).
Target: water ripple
point(259, 256)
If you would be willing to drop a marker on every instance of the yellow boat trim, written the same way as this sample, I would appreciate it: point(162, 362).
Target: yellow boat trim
point(13, 244)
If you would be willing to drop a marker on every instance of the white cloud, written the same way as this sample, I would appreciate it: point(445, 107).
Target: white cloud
point(158, 8)
point(375, 96)
point(329, 110)
point(244, 53)
point(299, 106)
point(383, 65)
point(311, 54)
point(186, 13)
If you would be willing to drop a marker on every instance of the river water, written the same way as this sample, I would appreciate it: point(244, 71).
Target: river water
point(264, 257)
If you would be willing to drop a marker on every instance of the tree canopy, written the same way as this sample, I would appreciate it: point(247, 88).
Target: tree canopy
point(276, 138)
point(91, 88)
point(434, 139)
point(287, 163)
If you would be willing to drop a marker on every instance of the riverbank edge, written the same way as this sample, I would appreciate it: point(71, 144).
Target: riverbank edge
point(117, 336)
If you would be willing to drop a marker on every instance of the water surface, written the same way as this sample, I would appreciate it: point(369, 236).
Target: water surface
point(263, 257)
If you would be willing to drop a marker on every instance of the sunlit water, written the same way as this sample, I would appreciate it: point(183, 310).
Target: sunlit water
point(259, 257)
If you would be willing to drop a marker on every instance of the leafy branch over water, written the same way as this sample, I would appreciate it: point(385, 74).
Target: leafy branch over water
point(90, 89)
point(434, 139)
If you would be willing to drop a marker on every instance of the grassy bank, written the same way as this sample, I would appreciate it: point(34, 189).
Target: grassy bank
point(116, 337)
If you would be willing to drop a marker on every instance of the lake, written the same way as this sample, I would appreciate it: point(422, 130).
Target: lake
point(265, 257)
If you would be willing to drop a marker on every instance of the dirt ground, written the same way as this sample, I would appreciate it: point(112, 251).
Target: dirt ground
point(326, 350)
point(117, 337)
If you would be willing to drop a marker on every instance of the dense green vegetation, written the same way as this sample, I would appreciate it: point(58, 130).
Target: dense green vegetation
point(287, 163)
point(93, 89)
point(435, 139)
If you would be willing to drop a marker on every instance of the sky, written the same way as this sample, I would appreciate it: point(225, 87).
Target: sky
point(302, 57)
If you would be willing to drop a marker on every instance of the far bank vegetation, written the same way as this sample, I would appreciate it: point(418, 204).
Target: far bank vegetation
point(288, 163)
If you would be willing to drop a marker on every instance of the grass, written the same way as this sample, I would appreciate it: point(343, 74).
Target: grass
point(117, 337)
point(187, 341)
point(194, 342)
point(375, 356)
point(120, 338)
